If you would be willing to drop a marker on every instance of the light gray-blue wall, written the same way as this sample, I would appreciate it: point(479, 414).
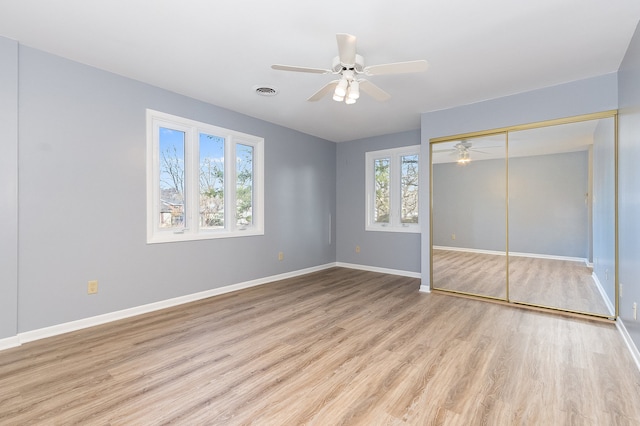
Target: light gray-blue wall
point(8, 187)
point(391, 250)
point(547, 212)
point(566, 100)
point(82, 198)
point(629, 185)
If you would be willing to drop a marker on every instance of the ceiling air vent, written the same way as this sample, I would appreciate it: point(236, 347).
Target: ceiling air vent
point(266, 90)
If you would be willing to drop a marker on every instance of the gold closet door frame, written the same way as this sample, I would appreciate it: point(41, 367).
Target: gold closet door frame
point(506, 130)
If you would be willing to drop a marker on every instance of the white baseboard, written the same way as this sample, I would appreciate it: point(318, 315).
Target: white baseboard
point(9, 342)
point(380, 270)
point(513, 254)
point(425, 289)
point(55, 330)
point(635, 354)
point(603, 294)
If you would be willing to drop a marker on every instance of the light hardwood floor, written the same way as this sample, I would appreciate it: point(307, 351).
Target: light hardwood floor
point(338, 346)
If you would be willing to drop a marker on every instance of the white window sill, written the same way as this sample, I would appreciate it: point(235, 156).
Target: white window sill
point(405, 229)
point(212, 235)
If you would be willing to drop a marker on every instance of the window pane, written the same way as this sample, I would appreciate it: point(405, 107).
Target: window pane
point(409, 189)
point(244, 185)
point(381, 170)
point(172, 211)
point(211, 181)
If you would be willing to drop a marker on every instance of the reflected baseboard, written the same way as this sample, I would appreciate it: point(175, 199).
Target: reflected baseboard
point(470, 250)
point(514, 254)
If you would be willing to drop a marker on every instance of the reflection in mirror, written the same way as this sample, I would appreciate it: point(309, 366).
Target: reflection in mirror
point(469, 216)
point(561, 216)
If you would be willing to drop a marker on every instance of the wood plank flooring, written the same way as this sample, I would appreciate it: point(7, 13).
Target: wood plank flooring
point(545, 282)
point(336, 347)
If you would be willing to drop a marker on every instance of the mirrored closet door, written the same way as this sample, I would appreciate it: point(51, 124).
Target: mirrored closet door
point(469, 181)
point(561, 216)
point(527, 215)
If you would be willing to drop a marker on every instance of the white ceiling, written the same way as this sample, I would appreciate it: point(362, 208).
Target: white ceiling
point(219, 51)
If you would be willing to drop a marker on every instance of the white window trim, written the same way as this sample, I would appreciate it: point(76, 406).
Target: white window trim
point(394, 155)
point(192, 231)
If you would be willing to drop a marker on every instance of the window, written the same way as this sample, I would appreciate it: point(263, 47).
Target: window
point(202, 181)
point(392, 189)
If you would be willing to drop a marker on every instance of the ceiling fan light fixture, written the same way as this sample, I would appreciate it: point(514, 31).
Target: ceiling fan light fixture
point(349, 101)
point(338, 98)
point(341, 88)
point(354, 90)
point(463, 157)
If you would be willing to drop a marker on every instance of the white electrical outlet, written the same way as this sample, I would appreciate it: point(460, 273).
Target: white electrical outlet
point(635, 311)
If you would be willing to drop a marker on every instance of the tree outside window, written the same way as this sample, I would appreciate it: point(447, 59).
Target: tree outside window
point(193, 193)
point(392, 189)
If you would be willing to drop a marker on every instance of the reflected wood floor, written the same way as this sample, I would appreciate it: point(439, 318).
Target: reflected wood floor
point(547, 282)
point(336, 347)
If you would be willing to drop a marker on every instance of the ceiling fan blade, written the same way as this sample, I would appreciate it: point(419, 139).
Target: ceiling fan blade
point(300, 69)
point(346, 49)
point(397, 68)
point(374, 91)
point(328, 88)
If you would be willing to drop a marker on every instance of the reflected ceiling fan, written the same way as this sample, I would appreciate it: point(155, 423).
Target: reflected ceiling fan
point(349, 66)
point(462, 149)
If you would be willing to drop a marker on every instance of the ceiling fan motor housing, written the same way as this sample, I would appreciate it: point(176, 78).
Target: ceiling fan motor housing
point(338, 66)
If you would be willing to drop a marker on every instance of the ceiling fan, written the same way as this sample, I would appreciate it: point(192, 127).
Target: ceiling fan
point(349, 66)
